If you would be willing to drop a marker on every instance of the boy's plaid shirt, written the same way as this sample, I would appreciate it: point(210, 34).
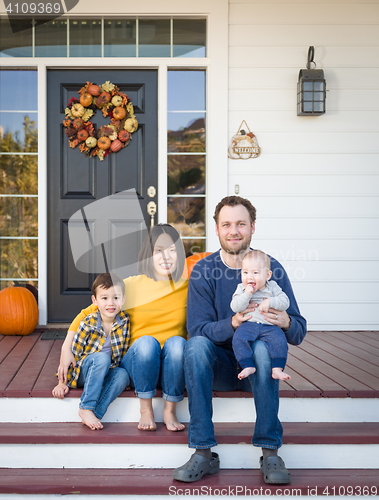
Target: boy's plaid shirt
point(91, 337)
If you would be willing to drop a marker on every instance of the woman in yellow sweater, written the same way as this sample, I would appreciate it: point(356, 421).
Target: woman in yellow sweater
point(156, 301)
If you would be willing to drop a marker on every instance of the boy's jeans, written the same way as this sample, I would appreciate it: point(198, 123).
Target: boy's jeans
point(148, 365)
point(102, 385)
point(211, 367)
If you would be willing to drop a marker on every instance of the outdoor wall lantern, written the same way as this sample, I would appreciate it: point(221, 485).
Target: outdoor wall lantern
point(311, 89)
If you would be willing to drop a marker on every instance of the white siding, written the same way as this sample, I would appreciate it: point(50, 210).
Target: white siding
point(316, 183)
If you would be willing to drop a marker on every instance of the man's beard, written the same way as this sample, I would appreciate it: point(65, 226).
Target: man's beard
point(245, 245)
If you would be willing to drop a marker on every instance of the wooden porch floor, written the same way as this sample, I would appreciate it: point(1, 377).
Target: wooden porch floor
point(326, 364)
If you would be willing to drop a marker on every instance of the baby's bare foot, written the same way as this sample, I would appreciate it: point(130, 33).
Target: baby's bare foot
point(171, 421)
point(279, 374)
point(246, 372)
point(90, 420)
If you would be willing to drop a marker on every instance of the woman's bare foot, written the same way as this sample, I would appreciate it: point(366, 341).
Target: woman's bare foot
point(90, 420)
point(147, 420)
point(170, 418)
point(278, 373)
point(246, 372)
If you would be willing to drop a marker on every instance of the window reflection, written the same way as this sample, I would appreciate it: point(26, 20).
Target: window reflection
point(18, 174)
point(119, 37)
point(22, 83)
point(192, 246)
point(18, 216)
point(189, 37)
point(18, 132)
point(186, 90)
point(19, 259)
point(85, 37)
point(188, 138)
point(154, 38)
point(51, 39)
point(18, 44)
point(186, 174)
point(187, 215)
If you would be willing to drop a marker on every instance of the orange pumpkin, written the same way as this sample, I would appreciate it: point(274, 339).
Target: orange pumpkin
point(94, 90)
point(86, 99)
point(123, 135)
point(116, 146)
point(105, 96)
point(119, 113)
point(78, 123)
point(191, 261)
point(104, 142)
point(82, 135)
point(18, 311)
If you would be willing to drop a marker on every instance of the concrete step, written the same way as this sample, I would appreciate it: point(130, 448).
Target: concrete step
point(116, 484)
point(63, 445)
point(227, 407)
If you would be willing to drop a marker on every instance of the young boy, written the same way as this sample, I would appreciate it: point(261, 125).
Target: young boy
point(99, 346)
point(256, 288)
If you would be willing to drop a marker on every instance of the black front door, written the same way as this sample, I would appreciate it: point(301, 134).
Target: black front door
point(75, 180)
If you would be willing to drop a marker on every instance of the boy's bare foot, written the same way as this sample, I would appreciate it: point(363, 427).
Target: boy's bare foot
point(60, 391)
point(279, 374)
point(90, 420)
point(170, 419)
point(147, 420)
point(246, 372)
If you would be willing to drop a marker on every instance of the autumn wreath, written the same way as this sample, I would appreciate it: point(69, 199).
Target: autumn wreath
point(108, 139)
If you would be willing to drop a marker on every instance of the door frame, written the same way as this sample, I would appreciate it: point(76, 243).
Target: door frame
point(216, 66)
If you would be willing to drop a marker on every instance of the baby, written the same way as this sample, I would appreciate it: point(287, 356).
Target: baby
point(257, 288)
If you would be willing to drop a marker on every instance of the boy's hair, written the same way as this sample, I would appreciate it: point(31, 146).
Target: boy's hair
point(260, 256)
point(145, 257)
point(233, 201)
point(106, 281)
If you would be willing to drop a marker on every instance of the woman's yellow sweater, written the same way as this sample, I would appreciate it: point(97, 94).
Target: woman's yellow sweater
point(155, 308)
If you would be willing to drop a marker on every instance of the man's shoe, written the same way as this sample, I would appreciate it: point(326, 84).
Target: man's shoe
point(197, 467)
point(274, 470)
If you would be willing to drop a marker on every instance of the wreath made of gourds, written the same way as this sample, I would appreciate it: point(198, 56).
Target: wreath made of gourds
point(108, 139)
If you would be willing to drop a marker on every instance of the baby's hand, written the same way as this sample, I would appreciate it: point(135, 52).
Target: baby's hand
point(264, 306)
point(249, 289)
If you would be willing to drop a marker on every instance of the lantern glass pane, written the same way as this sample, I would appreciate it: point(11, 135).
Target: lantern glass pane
point(308, 86)
point(308, 96)
point(319, 106)
point(319, 86)
point(308, 107)
point(318, 96)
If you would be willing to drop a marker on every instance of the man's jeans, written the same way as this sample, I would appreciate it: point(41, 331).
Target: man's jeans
point(210, 367)
point(102, 385)
point(148, 365)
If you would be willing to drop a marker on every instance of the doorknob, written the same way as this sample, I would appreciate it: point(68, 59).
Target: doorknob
point(152, 210)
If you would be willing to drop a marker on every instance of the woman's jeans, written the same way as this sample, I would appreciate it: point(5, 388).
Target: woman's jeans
point(102, 385)
point(211, 367)
point(149, 365)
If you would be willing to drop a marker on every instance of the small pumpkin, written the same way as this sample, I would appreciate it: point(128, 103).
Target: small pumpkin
point(78, 123)
point(117, 100)
point(94, 90)
point(116, 146)
point(119, 113)
point(82, 135)
point(105, 96)
point(18, 311)
point(77, 110)
point(123, 135)
point(191, 261)
point(131, 125)
point(86, 99)
point(91, 142)
point(104, 142)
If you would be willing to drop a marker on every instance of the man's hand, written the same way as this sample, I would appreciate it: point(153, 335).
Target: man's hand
point(239, 318)
point(278, 318)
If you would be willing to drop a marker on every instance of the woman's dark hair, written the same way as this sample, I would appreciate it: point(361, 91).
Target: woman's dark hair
point(145, 256)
